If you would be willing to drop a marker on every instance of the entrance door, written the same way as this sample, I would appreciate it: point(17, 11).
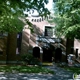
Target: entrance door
point(47, 55)
point(36, 52)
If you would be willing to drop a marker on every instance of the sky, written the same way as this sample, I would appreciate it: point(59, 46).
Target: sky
point(49, 6)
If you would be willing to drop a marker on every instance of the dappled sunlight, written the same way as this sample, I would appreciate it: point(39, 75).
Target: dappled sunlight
point(38, 28)
point(32, 40)
point(33, 36)
point(25, 41)
point(60, 74)
point(22, 76)
point(33, 76)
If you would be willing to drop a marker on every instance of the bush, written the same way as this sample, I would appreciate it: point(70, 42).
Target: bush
point(29, 59)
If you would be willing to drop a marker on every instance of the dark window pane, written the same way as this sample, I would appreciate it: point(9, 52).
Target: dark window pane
point(48, 31)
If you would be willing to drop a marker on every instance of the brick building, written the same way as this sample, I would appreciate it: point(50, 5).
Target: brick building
point(24, 42)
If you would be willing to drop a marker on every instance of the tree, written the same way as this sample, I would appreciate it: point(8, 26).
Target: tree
point(10, 13)
point(67, 20)
point(10, 10)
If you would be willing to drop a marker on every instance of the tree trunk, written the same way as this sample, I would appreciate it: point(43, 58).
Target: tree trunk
point(11, 47)
point(69, 47)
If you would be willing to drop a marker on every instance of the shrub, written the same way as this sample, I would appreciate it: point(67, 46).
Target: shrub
point(29, 59)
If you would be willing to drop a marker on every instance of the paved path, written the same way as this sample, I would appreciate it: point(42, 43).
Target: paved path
point(60, 74)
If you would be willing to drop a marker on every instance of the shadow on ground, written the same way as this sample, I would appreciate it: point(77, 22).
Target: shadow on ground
point(60, 74)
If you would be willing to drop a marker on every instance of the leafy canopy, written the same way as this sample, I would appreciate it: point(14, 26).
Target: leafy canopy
point(67, 18)
point(11, 10)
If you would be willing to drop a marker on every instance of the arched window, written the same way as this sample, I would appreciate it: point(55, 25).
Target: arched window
point(40, 19)
point(32, 20)
point(35, 20)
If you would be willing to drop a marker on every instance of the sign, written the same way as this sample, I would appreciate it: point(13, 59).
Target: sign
point(76, 76)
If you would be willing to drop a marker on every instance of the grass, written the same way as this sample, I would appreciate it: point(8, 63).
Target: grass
point(73, 69)
point(25, 69)
point(70, 68)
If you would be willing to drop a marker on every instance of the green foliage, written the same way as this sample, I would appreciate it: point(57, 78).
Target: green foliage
point(30, 59)
point(11, 10)
point(73, 69)
point(67, 18)
point(24, 69)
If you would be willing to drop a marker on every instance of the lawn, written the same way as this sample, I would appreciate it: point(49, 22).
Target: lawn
point(70, 68)
point(25, 69)
point(73, 69)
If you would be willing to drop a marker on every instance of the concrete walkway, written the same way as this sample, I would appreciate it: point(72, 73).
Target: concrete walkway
point(60, 74)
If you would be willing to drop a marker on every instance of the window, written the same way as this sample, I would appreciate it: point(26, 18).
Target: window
point(32, 20)
point(48, 31)
point(19, 39)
